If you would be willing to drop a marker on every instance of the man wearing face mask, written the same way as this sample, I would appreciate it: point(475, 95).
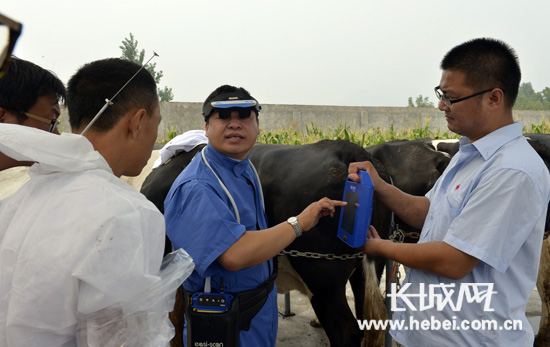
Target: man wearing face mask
point(29, 96)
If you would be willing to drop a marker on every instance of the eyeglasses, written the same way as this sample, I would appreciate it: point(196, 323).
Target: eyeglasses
point(9, 32)
point(449, 102)
point(225, 113)
point(53, 122)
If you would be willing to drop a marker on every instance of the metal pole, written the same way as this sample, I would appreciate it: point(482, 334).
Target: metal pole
point(287, 312)
point(287, 305)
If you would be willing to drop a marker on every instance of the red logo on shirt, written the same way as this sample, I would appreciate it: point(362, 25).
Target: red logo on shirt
point(458, 186)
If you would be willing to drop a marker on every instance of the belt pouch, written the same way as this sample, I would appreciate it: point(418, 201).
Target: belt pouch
point(213, 329)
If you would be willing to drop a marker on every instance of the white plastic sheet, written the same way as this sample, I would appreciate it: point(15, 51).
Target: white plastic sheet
point(182, 143)
point(141, 320)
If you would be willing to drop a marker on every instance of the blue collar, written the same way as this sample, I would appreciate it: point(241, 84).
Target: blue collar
point(237, 166)
point(492, 142)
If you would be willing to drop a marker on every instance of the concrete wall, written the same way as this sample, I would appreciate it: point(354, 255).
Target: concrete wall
point(183, 116)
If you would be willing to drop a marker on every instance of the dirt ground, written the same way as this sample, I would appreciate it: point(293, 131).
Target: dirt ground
point(295, 331)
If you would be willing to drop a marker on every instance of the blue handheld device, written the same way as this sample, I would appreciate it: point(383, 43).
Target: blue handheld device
point(356, 215)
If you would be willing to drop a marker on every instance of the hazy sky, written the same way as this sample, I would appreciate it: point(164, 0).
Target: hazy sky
point(353, 53)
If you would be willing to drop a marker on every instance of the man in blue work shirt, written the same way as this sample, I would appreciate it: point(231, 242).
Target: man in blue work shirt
point(476, 263)
point(215, 211)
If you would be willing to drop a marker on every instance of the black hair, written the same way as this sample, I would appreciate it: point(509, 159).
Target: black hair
point(222, 90)
point(486, 63)
point(99, 80)
point(23, 83)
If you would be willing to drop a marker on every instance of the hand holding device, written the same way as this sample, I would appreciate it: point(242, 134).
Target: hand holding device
point(356, 215)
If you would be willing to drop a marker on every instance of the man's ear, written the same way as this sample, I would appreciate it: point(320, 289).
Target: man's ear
point(496, 97)
point(8, 117)
point(135, 121)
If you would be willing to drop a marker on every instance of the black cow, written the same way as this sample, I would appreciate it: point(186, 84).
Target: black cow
point(414, 167)
point(541, 144)
point(448, 146)
point(292, 177)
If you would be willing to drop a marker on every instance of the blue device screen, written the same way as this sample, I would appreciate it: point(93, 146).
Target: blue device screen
point(350, 210)
point(356, 215)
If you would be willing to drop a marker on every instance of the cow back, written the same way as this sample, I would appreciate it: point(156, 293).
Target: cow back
point(413, 165)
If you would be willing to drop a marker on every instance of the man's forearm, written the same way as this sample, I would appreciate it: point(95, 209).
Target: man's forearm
point(257, 246)
point(409, 208)
point(435, 257)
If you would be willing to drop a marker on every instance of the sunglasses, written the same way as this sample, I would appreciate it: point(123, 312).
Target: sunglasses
point(234, 102)
point(225, 113)
point(9, 32)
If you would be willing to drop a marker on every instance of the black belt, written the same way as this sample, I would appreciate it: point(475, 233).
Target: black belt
point(251, 301)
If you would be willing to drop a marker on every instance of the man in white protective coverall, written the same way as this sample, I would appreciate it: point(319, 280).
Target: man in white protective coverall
point(29, 96)
point(80, 250)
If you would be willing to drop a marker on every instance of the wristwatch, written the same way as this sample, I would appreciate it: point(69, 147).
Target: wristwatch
point(294, 222)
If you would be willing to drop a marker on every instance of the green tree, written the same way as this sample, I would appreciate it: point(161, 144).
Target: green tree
point(546, 96)
point(528, 99)
point(421, 102)
point(131, 52)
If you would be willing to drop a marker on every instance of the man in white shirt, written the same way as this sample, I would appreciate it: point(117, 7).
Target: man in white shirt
point(472, 271)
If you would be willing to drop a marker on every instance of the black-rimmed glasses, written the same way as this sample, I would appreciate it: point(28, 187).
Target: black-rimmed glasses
point(449, 102)
point(9, 32)
point(52, 122)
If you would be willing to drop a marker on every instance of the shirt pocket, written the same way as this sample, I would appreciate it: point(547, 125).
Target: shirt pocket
point(455, 200)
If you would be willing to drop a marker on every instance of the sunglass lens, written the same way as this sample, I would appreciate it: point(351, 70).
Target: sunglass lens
point(224, 113)
point(245, 112)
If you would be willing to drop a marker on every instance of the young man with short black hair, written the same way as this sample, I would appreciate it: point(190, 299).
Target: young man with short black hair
point(482, 222)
